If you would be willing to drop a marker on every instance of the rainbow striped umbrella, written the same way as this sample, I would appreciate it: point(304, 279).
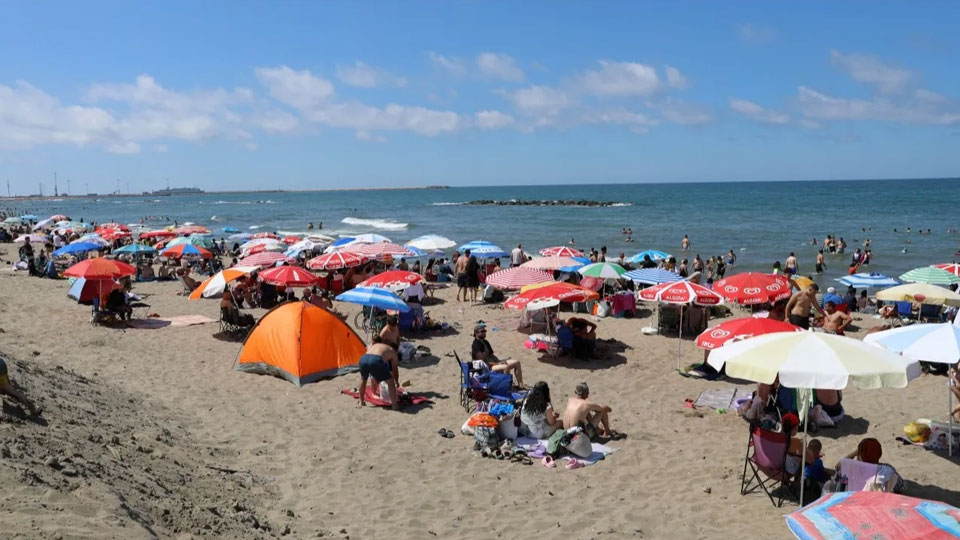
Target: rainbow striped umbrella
point(874, 514)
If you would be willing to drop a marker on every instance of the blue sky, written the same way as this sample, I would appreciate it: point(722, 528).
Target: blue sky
point(300, 95)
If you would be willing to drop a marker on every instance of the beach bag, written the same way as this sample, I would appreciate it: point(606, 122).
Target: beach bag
point(385, 393)
point(603, 309)
point(486, 437)
point(577, 443)
point(554, 446)
point(917, 432)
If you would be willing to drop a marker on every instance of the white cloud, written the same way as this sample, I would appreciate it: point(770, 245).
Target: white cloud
point(636, 122)
point(682, 112)
point(540, 99)
point(758, 113)
point(363, 135)
point(756, 33)
point(806, 123)
point(817, 105)
point(492, 119)
point(366, 76)
point(870, 70)
point(392, 117)
point(299, 89)
point(676, 79)
point(30, 117)
point(160, 148)
point(500, 66)
point(454, 66)
point(620, 79)
point(275, 121)
point(125, 147)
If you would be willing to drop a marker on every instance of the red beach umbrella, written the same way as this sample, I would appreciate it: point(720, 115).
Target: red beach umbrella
point(380, 251)
point(265, 235)
point(336, 261)
point(267, 258)
point(100, 268)
point(560, 251)
point(750, 288)
point(953, 268)
point(288, 276)
point(681, 292)
point(158, 234)
point(515, 278)
point(291, 240)
point(393, 280)
point(744, 328)
point(186, 250)
point(550, 295)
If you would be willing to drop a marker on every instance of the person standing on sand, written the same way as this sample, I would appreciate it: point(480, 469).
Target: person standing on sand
point(517, 257)
point(390, 335)
point(685, 243)
point(7, 389)
point(379, 362)
point(821, 265)
point(460, 269)
point(790, 265)
point(798, 308)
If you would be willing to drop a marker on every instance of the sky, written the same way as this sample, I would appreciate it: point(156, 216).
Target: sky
point(310, 95)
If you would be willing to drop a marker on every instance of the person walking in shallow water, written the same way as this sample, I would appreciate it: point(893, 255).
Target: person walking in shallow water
point(685, 243)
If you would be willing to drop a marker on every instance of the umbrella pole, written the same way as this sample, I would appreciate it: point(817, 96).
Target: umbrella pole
point(803, 459)
point(950, 417)
point(679, 337)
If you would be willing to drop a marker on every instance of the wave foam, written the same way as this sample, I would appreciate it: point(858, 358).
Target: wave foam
point(384, 224)
point(448, 204)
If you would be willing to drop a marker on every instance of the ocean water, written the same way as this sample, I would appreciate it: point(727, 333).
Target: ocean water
point(761, 222)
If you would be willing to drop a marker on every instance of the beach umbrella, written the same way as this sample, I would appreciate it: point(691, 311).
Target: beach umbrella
point(371, 238)
point(191, 229)
point(874, 514)
point(32, 238)
point(866, 280)
point(100, 268)
point(938, 343)
point(288, 276)
point(547, 294)
point(930, 275)
point(551, 263)
point(652, 276)
point(260, 248)
point(813, 360)
point(800, 282)
point(320, 238)
point(265, 235)
point(431, 242)
point(12, 220)
point(336, 261)
point(112, 235)
point(29, 217)
point(81, 247)
point(214, 285)
point(740, 329)
point(341, 243)
point(186, 250)
point(137, 249)
point(91, 238)
point(418, 253)
point(515, 278)
point(395, 280)
point(157, 234)
point(241, 237)
point(655, 255)
point(301, 246)
point(380, 251)
point(111, 225)
point(681, 292)
point(374, 297)
point(42, 223)
point(483, 249)
point(603, 270)
point(750, 288)
point(920, 292)
point(59, 217)
point(85, 290)
point(580, 261)
point(953, 268)
point(290, 239)
point(267, 258)
point(231, 230)
point(560, 251)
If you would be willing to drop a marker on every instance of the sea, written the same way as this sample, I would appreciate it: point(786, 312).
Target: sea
point(761, 222)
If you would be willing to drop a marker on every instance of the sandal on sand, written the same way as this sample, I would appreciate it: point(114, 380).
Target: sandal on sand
point(485, 452)
point(521, 458)
point(548, 462)
point(574, 464)
point(445, 433)
point(498, 453)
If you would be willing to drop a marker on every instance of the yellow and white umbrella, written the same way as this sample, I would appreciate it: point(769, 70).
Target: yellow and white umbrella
point(920, 292)
point(213, 286)
point(814, 360)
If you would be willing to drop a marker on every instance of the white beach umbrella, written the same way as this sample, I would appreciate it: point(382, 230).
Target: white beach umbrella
point(370, 238)
point(432, 242)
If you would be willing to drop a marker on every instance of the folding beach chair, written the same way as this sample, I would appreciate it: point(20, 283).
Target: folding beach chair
point(669, 319)
point(564, 343)
point(905, 312)
point(100, 316)
point(929, 313)
point(472, 391)
point(766, 459)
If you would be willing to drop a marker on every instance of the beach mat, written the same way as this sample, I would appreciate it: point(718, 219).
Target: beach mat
point(163, 322)
point(406, 398)
point(598, 451)
point(717, 398)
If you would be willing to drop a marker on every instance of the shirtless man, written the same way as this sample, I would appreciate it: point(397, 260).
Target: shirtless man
point(798, 308)
point(390, 334)
point(592, 417)
point(790, 265)
point(379, 362)
point(821, 265)
point(685, 243)
point(460, 269)
point(835, 321)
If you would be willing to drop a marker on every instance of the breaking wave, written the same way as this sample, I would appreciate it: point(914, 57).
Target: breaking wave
point(448, 204)
point(385, 224)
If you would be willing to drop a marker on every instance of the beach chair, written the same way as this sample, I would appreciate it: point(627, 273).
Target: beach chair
point(668, 320)
point(100, 316)
point(929, 313)
point(186, 290)
point(472, 390)
point(904, 313)
point(766, 462)
point(564, 343)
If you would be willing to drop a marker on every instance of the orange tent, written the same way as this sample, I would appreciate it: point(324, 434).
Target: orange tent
point(301, 343)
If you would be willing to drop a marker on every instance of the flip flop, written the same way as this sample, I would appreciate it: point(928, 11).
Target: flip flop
point(574, 464)
point(498, 454)
point(485, 452)
point(548, 462)
point(522, 459)
point(688, 403)
point(445, 433)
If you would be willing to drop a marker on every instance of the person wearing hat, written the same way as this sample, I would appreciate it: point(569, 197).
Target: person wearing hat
point(481, 351)
point(832, 296)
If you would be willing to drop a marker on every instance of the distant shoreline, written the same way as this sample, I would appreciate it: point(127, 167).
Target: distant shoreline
point(229, 192)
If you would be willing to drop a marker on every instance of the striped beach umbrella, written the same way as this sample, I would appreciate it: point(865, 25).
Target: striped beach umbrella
point(953, 268)
point(380, 250)
point(652, 276)
point(515, 278)
point(603, 270)
point(185, 250)
point(374, 297)
point(336, 260)
point(551, 263)
point(560, 251)
point(395, 280)
point(483, 249)
point(930, 275)
point(865, 280)
point(874, 514)
point(267, 258)
point(214, 285)
point(288, 276)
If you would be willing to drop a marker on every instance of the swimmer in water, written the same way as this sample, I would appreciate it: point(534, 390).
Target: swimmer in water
point(310, 226)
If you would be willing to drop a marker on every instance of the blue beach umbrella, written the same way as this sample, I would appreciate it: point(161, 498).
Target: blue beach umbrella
point(137, 249)
point(483, 249)
point(864, 280)
point(81, 247)
point(652, 276)
point(242, 237)
point(231, 230)
point(29, 217)
point(374, 297)
point(654, 254)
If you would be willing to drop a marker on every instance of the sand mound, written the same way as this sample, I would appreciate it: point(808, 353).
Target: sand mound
point(103, 463)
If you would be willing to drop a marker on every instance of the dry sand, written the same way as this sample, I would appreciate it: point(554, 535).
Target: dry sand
point(153, 434)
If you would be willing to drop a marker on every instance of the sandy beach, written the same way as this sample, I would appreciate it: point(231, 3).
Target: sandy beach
point(152, 433)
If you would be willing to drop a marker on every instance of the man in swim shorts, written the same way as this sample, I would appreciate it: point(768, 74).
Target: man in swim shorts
point(379, 362)
point(8, 389)
point(460, 269)
point(594, 418)
point(798, 308)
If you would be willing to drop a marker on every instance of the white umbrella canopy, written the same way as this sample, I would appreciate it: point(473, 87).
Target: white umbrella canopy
point(432, 242)
point(370, 238)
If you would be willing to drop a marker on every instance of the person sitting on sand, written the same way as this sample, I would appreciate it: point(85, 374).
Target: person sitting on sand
point(537, 417)
point(584, 335)
point(390, 334)
point(482, 351)
point(593, 418)
point(380, 362)
point(798, 307)
point(869, 450)
point(117, 303)
point(831, 403)
point(834, 321)
point(7, 389)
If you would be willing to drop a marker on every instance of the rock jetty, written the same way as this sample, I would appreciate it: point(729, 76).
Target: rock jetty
point(545, 202)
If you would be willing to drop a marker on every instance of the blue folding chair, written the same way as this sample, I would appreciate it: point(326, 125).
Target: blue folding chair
point(497, 386)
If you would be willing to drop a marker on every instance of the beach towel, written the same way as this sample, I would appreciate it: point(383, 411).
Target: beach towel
point(162, 322)
point(536, 448)
point(405, 398)
point(717, 398)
